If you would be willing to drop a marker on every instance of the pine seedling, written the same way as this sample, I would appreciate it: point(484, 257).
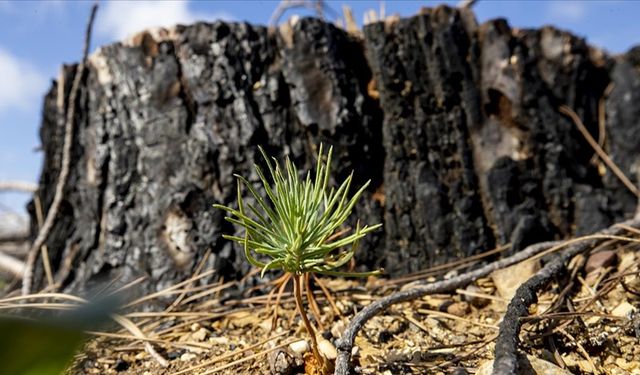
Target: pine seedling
point(298, 227)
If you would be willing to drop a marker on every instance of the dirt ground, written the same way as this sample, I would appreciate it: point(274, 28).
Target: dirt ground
point(586, 322)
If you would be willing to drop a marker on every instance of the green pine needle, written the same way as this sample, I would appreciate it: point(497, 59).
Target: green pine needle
point(296, 225)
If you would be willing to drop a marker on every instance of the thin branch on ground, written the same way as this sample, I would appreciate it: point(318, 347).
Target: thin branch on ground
point(345, 344)
point(506, 350)
point(66, 161)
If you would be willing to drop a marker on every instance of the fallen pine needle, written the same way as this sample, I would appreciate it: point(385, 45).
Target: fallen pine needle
point(217, 369)
point(455, 317)
point(229, 355)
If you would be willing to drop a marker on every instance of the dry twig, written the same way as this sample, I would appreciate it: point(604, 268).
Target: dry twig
point(65, 164)
point(601, 153)
point(345, 344)
point(506, 350)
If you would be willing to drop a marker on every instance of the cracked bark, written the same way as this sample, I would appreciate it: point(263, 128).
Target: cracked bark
point(455, 123)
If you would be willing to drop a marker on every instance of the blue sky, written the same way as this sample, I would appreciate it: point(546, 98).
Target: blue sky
point(36, 37)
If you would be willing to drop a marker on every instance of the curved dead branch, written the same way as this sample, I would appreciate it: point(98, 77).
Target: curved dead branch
point(524, 297)
point(506, 350)
point(345, 344)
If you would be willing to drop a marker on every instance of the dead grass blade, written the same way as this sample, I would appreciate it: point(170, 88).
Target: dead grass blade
point(174, 289)
point(442, 267)
point(239, 361)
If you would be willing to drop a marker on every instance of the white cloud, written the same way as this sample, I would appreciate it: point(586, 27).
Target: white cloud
point(119, 19)
point(568, 11)
point(22, 84)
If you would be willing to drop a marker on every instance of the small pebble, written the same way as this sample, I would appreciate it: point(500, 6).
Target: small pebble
point(326, 349)
point(200, 334)
point(221, 340)
point(140, 356)
point(508, 280)
point(299, 347)
point(281, 362)
point(266, 325)
point(186, 357)
point(623, 310)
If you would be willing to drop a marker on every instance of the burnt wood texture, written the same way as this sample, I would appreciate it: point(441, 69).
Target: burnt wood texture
point(456, 124)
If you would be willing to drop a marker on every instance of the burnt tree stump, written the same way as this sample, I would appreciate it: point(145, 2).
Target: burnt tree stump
point(456, 124)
